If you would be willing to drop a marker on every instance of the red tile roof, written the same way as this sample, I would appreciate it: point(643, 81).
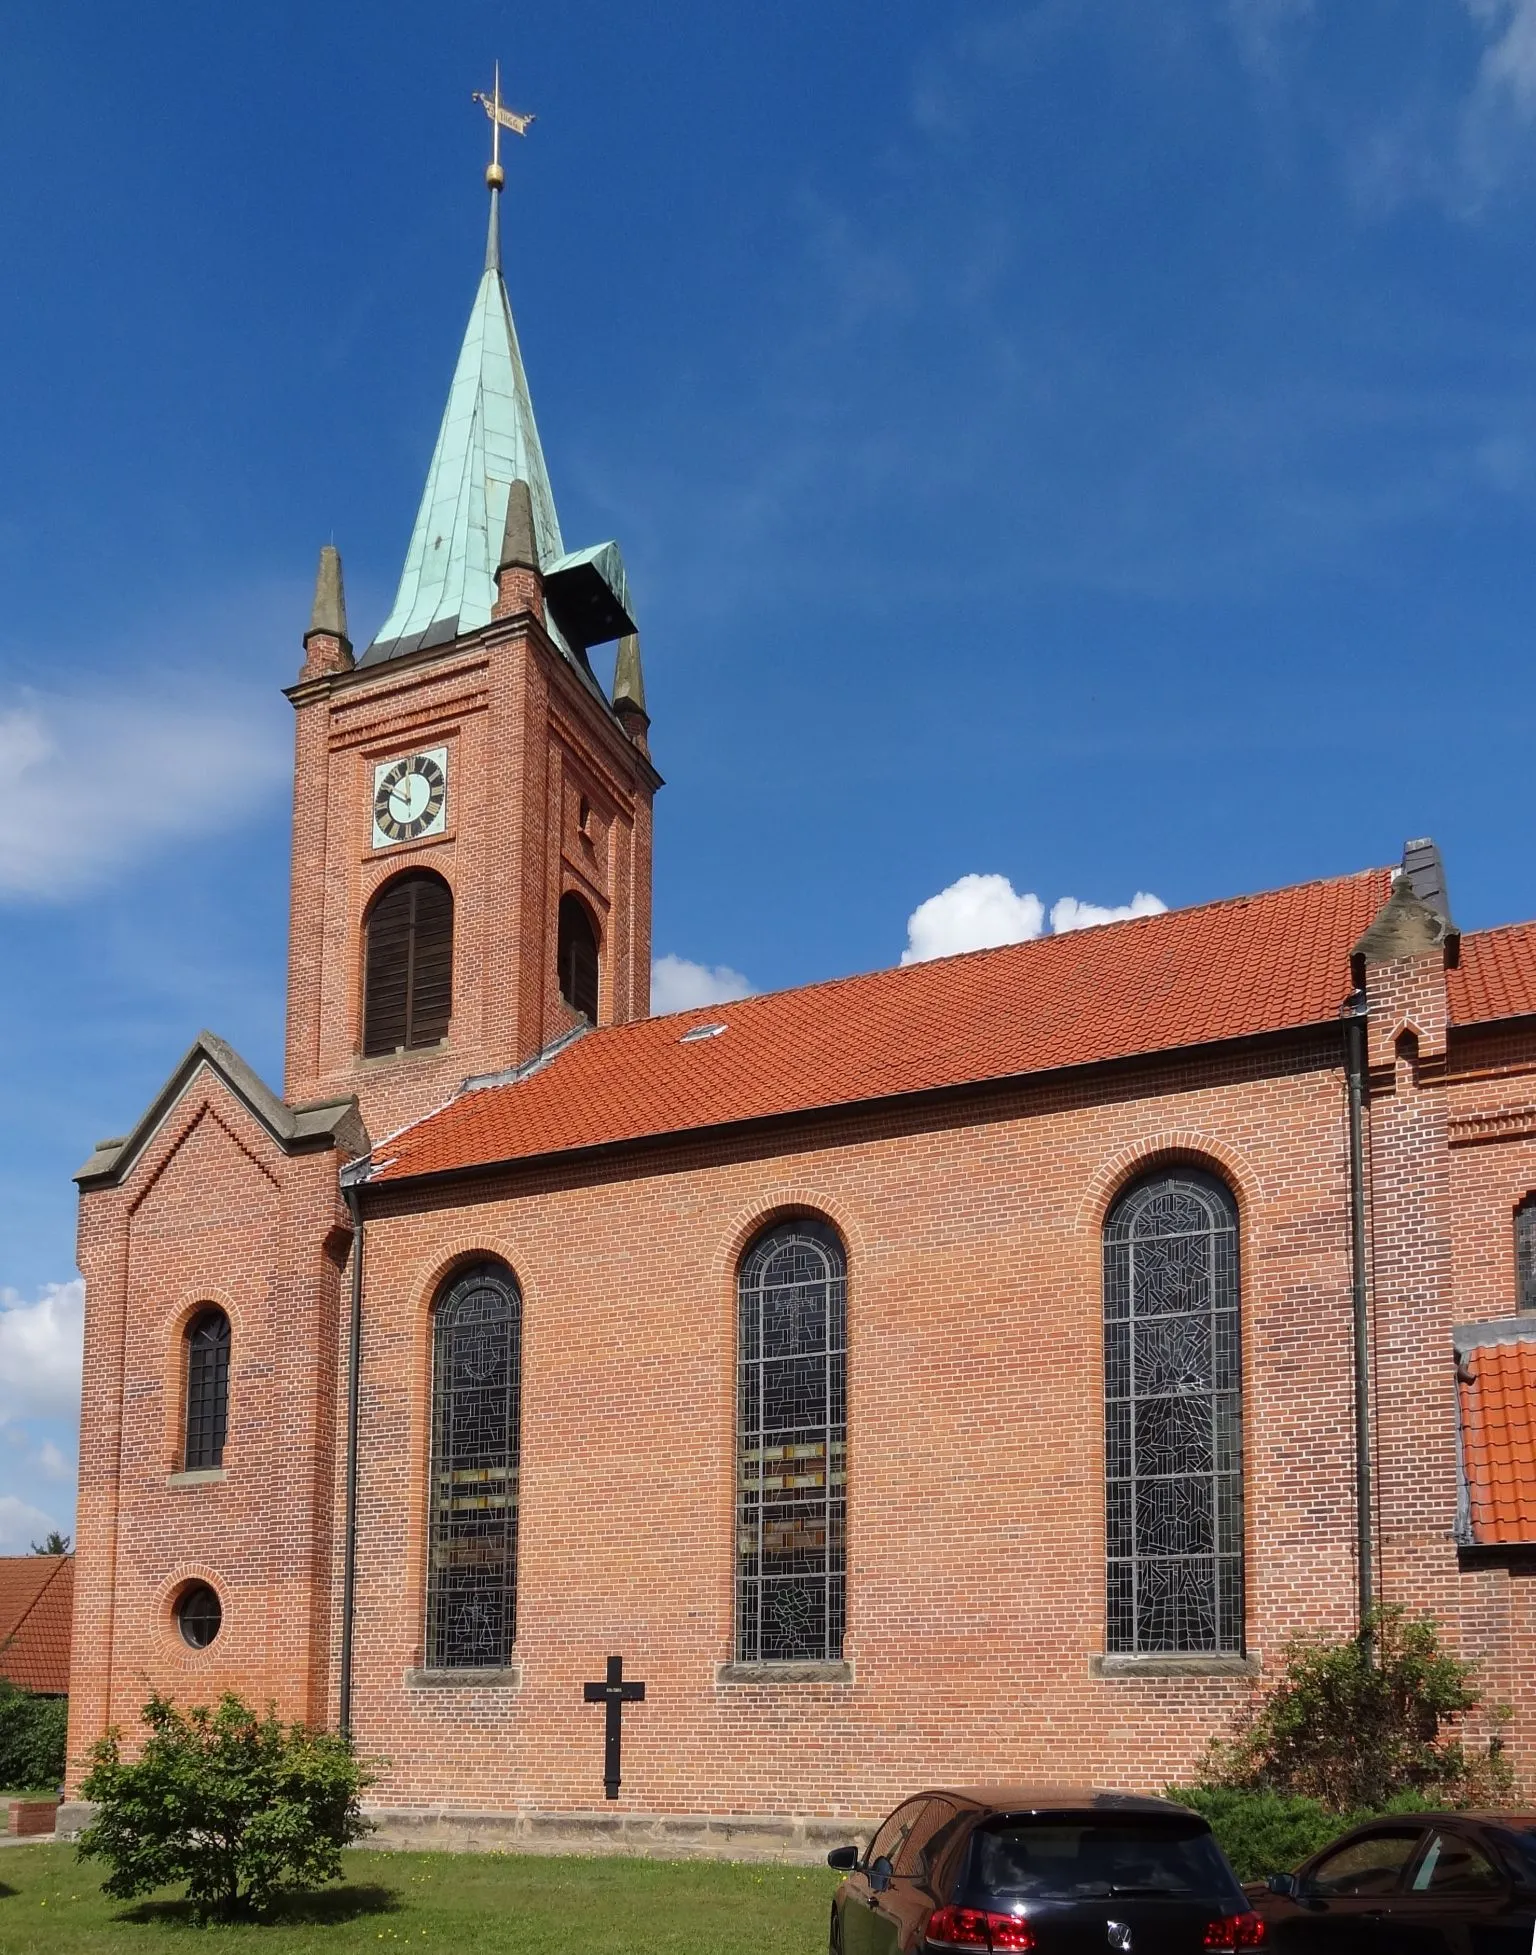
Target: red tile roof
point(1496, 977)
point(37, 1594)
point(1498, 1440)
point(1228, 970)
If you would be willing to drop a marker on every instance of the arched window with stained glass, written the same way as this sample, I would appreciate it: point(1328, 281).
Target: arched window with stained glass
point(792, 1441)
point(476, 1402)
point(1173, 1419)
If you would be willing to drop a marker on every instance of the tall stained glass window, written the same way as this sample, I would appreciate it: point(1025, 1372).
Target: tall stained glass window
point(792, 1498)
point(472, 1572)
point(207, 1390)
point(1173, 1419)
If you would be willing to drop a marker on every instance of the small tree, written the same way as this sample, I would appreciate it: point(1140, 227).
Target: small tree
point(239, 1808)
point(32, 1731)
point(54, 1543)
point(1359, 1724)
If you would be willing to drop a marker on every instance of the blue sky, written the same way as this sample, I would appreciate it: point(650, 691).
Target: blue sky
point(1083, 444)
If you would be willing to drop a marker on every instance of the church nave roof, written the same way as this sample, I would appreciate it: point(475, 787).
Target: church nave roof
point(1235, 969)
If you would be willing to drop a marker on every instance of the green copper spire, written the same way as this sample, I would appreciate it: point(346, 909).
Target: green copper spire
point(487, 441)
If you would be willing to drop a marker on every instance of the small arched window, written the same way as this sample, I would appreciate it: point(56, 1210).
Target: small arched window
point(1525, 1254)
point(1173, 1418)
point(792, 1442)
point(408, 964)
point(476, 1392)
point(577, 957)
point(207, 1390)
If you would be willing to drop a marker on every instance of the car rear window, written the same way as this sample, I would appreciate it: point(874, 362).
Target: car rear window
point(1519, 1845)
point(1063, 1860)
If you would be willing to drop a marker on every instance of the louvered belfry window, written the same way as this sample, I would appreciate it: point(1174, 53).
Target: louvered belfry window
point(476, 1394)
point(1173, 1419)
point(792, 1437)
point(207, 1390)
point(577, 957)
point(1525, 1254)
point(408, 965)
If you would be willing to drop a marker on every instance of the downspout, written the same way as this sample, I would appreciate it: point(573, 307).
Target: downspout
point(1354, 1039)
point(354, 1384)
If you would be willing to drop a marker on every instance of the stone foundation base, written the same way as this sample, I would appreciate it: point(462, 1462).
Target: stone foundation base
point(789, 1841)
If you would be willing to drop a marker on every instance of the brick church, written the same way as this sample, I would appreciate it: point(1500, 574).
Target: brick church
point(976, 1370)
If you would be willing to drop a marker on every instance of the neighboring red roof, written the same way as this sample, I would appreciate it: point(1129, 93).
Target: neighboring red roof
point(1496, 977)
point(1498, 1440)
point(1229, 970)
point(37, 1593)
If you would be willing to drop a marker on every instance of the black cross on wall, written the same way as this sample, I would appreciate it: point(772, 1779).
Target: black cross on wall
point(614, 1693)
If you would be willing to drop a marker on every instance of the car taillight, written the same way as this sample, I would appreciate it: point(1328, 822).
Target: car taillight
point(974, 1927)
point(1235, 1931)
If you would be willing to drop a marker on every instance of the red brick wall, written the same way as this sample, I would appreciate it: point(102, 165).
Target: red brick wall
point(975, 1494)
point(212, 1212)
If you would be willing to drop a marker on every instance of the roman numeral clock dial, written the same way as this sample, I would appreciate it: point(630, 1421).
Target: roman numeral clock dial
point(410, 797)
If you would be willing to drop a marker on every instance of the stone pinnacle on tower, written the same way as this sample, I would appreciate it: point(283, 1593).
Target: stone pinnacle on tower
point(327, 647)
point(629, 691)
point(519, 586)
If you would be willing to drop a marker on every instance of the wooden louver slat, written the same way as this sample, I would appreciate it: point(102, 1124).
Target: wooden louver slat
point(432, 964)
point(408, 975)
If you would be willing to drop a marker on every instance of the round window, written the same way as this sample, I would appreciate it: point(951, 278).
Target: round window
point(198, 1615)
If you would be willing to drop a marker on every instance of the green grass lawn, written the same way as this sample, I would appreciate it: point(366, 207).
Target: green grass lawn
point(50, 1904)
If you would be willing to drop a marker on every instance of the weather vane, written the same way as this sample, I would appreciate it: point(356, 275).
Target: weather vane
point(501, 118)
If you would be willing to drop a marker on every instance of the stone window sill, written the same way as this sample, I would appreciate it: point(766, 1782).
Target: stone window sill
point(417, 1053)
point(760, 1673)
point(203, 1476)
point(508, 1678)
point(1173, 1666)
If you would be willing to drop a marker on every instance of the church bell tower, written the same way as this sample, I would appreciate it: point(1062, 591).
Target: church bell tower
point(472, 808)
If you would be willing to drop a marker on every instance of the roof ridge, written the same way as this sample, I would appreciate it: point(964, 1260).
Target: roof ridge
point(997, 950)
point(1496, 930)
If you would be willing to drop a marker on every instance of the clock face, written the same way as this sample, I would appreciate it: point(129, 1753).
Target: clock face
point(410, 797)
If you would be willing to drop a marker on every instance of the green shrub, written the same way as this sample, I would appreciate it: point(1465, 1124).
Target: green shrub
point(1272, 1832)
point(1357, 1724)
point(237, 1808)
point(31, 1739)
point(1383, 1722)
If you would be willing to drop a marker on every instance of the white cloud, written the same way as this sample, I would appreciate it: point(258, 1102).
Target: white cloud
point(21, 1524)
point(1508, 65)
point(975, 913)
point(92, 783)
point(51, 1463)
point(980, 912)
point(40, 1352)
point(678, 985)
point(1070, 914)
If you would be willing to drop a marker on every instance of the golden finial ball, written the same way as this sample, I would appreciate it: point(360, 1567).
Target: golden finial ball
point(495, 176)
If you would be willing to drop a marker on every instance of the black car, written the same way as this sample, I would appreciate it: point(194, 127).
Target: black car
point(1453, 1883)
point(1039, 1868)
